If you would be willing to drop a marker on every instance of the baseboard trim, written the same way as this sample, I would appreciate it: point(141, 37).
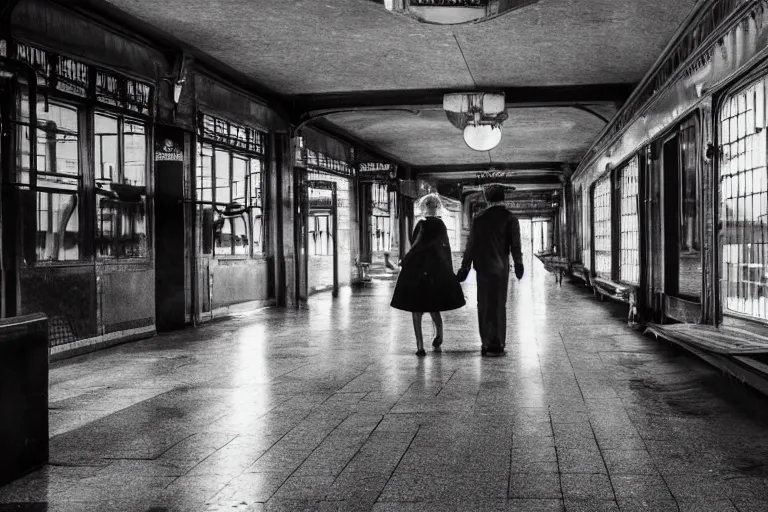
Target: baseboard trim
point(111, 339)
point(242, 307)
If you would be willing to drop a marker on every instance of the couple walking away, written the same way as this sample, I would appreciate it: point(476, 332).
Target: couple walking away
point(427, 283)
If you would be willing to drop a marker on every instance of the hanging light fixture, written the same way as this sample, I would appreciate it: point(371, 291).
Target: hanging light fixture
point(479, 116)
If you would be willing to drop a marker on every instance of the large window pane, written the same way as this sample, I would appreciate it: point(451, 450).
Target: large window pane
point(239, 172)
point(743, 197)
point(222, 235)
point(106, 147)
point(134, 154)
point(629, 265)
point(57, 226)
point(223, 189)
point(240, 235)
point(205, 173)
point(57, 140)
point(120, 166)
point(602, 223)
point(256, 206)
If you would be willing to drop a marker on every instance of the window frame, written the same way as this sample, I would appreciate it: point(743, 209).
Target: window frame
point(252, 148)
point(605, 180)
point(67, 80)
point(32, 179)
point(121, 116)
point(759, 78)
point(621, 201)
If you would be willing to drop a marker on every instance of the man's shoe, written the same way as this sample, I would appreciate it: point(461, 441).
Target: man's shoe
point(494, 353)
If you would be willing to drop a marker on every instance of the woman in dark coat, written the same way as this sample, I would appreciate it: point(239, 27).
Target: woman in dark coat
point(427, 283)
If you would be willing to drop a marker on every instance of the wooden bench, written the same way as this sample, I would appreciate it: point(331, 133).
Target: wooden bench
point(556, 265)
point(621, 292)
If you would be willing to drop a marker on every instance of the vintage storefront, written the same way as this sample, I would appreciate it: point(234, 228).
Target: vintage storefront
point(380, 209)
point(234, 185)
point(78, 178)
point(142, 199)
point(327, 225)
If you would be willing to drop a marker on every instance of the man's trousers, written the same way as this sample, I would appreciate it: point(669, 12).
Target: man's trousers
point(492, 310)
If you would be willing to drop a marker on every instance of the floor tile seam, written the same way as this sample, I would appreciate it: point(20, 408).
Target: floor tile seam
point(240, 435)
point(442, 387)
point(655, 467)
point(605, 465)
point(402, 395)
point(557, 460)
point(305, 458)
point(347, 384)
point(108, 413)
point(358, 449)
point(570, 362)
point(398, 463)
point(291, 371)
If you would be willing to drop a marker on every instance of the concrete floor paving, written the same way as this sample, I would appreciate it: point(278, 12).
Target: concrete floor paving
point(328, 408)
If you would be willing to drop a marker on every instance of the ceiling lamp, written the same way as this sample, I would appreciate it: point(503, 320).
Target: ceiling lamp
point(478, 115)
point(453, 12)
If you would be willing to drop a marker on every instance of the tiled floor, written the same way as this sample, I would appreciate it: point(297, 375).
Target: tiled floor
point(329, 409)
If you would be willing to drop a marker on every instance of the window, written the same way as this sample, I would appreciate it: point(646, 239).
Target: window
point(601, 203)
point(51, 214)
point(120, 154)
point(629, 263)
point(744, 202)
point(255, 198)
point(321, 241)
point(228, 188)
point(380, 234)
point(577, 220)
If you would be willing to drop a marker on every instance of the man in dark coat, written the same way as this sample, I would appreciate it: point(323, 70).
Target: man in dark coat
point(495, 233)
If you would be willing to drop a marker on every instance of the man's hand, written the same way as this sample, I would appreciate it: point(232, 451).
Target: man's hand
point(462, 274)
point(519, 270)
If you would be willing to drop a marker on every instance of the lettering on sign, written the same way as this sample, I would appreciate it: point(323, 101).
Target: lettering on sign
point(168, 150)
point(375, 167)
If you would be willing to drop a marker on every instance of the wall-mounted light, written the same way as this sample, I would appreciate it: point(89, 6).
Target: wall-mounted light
point(177, 87)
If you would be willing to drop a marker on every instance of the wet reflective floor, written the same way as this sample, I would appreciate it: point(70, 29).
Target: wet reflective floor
point(328, 408)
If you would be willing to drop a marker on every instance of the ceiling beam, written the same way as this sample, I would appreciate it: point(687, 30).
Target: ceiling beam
point(561, 95)
point(347, 137)
point(484, 167)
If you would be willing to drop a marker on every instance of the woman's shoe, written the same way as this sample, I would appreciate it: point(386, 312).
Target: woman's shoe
point(437, 342)
point(421, 353)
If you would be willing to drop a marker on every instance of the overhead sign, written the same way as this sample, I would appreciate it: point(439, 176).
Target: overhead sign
point(375, 167)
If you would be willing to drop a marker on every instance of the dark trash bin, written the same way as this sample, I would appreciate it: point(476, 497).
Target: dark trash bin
point(23, 395)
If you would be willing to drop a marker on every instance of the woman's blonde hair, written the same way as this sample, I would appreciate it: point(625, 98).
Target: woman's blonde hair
point(430, 204)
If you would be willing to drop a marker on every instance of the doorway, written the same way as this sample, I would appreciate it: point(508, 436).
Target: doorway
point(318, 238)
point(170, 264)
point(670, 208)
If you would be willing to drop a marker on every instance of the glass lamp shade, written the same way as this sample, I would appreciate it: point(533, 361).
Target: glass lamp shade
point(482, 137)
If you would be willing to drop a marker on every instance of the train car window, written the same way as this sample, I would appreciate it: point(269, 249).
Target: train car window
point(120, 162)
point(601, 204)
point(629, 224)
point(744, 203)
point(51, 214)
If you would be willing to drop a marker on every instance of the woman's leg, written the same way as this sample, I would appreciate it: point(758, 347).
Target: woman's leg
point(417, 330)
point(438, 320)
